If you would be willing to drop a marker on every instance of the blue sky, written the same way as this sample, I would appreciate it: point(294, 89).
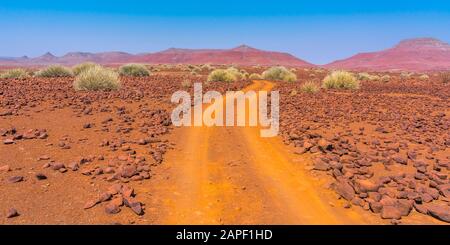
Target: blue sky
point(318, 32)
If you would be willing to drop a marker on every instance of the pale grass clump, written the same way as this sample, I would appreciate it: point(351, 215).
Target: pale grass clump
point(310, 87)
point(97, 78)
point(279, 73)
point(82, 67)
point(385, 78)
point(54, 71)
point(424, 77)
point(364, 76)
point(255, 76)
point(293, 92)
point(405, 75)
point(236, 73)
point(134, 70)
point(340, 80)
point(222, 75)
point(186, 84)
point(17, 73)
point(445, 77)
point(207, 67)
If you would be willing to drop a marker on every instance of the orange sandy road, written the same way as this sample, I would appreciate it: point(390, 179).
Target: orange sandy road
point(230, 175)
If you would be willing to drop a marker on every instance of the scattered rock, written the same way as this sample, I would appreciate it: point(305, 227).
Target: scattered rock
point(15, 179)
point(345, 190)
point(12, 212)
point(440, 212)
point(91, 204)
point(40, 176)
point(112, 208)
point(390, 212)
point(5, 168)
point(8, 141)
point(365, 185)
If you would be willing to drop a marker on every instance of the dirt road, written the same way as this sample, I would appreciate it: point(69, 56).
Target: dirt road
point(230, 175)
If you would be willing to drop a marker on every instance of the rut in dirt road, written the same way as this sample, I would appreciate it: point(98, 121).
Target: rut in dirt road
point(230, 175)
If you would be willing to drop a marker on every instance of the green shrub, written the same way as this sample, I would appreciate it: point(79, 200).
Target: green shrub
point(82, 67)
point(97, 78)
point(340, 80)
point(14, 73)
point(310, 87)
point(255, 76)
point(279, 73)
point(54, 71)
point(221, 75)
point(134, 70)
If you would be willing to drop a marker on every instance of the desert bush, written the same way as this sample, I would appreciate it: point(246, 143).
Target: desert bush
point(445, 77)
point(221, 75)
point(54, 71)
point(405, 75)
point(279, 73)
point(14, 73)
point(134, 70)
point(255, 76)
point(186, 84)
point(196, 69)
point(235, 72)
point(207, 67)
point(310, 87)
point(97, 78)
point(340, 80)
point(364, 76)
point(82, 67)
point(385, 78)
point(424, 77)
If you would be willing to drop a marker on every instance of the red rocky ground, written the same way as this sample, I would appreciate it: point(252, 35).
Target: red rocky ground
point(91, 157)
point(384, 148)
point(79, 157)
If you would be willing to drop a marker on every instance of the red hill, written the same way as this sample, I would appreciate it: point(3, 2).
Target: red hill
point(422, 54)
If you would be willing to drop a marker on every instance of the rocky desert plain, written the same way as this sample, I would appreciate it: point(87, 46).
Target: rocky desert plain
point(379, 154)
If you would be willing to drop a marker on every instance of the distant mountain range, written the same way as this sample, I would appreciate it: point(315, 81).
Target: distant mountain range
point(421, 54)
point(242, 55)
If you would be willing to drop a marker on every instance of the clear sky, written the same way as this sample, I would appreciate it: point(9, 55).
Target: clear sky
point(317, 31)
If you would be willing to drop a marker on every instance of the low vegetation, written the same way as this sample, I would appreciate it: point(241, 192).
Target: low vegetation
point(279, 73)
point(445, 77)
point(134, 70)
point(82, 67)
point(186, 84)
point(340, 80)
point(385, 78)
point(97, 78)
point(255, 76)
point(310, 87)
point(364, 76)
point(424, 77)
point(18, 73)
point(226, 75)
point(54, 71)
